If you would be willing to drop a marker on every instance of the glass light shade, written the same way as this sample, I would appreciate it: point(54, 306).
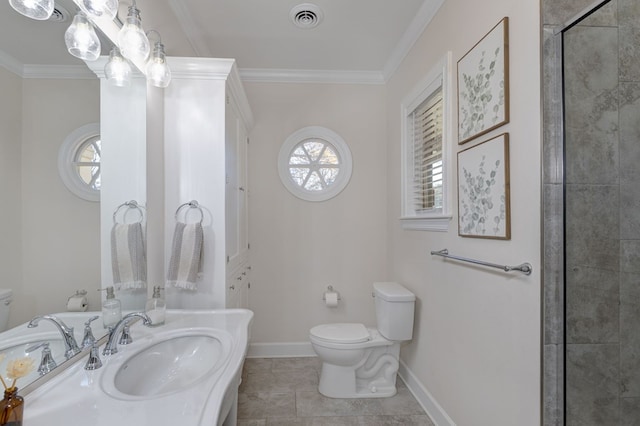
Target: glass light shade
point(81, 39)
point(100, 8)
point(132, 40)
point(118, 70)
point(158, 72)
point(34, 9)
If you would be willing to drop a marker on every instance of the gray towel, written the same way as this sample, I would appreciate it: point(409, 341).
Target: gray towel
point(128, 259)
point(186, 254)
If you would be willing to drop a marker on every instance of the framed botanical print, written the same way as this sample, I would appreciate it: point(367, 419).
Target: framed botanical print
point(483, 190)
point(483, 84)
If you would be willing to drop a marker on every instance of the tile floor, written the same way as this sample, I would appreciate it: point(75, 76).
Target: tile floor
point(284, 392)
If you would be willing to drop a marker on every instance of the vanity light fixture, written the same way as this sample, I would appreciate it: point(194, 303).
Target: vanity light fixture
point(117, 70)
point(34, 9)
point(158, 72)
point(132, 40)
point(100, 8)
point(81, 39)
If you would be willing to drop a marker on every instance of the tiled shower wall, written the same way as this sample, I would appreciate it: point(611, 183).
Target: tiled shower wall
point(602, 177)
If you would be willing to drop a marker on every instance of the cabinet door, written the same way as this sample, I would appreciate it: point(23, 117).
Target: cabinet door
point(243, 194)
point(232, 184)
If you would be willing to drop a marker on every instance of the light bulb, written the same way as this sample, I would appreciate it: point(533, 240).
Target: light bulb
point(100, 8)
point(118, 70)
point(34, 9)
point(132, 40)
point(158, 71)
point(81, 39)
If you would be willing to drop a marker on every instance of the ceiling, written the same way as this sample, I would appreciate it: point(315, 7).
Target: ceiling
point(359, 36)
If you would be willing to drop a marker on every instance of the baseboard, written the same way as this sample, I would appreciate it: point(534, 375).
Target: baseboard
point(424, 398)
point(280, 350)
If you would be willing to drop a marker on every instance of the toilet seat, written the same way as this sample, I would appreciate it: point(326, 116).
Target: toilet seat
point(341, 333)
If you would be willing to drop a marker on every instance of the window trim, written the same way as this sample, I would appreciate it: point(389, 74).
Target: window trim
point(438, 76)
point(328, 136)
point(66, 158)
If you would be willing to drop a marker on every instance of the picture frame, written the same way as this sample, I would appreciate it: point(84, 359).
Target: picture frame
point(483, 84)
point(484, 190)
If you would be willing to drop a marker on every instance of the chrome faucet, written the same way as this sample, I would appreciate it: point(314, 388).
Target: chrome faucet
point(47, 363)
point(112, 344)
point(70, 344)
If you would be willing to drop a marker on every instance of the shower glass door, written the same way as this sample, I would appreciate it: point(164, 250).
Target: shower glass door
point(601, 68)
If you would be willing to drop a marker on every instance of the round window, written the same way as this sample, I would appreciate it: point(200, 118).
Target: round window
point(315, 164)
point(79, 162)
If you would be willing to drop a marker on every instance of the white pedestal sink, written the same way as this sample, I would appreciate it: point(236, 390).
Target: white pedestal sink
point(185, 372)
point(169, 366)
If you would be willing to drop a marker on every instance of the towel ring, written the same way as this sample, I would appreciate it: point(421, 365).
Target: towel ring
point(191, 204)
point(133, 204)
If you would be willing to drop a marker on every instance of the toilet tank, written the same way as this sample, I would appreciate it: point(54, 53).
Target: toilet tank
point(394, 310)
point(5, 305)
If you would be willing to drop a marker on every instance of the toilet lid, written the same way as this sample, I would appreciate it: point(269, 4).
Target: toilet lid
point(341, 332)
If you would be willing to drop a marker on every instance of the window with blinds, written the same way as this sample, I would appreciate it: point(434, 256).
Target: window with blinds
point(426, 167)
point(425, 124)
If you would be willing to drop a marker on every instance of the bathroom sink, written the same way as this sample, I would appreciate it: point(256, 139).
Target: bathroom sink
point(171, 365)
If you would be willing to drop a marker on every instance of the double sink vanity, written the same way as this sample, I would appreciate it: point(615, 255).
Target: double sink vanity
point(185, 372)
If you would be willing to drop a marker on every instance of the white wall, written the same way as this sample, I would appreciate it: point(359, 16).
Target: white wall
point(298, 248)
point(476, 347)
point(60, 232)
point(10, 179)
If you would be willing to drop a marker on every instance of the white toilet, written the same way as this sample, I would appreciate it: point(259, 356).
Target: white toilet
point(362, 362)
point(5, 306)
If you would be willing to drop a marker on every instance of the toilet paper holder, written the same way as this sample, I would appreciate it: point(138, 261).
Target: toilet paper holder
point(330, 289)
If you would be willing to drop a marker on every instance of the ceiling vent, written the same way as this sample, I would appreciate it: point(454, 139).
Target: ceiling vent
point(60, 14)
point(306, 16)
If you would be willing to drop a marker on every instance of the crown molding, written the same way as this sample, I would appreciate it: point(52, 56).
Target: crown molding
point(44, 71)
point(422, 19)
point(264, 75)
point(10, 63)
point(78, 72)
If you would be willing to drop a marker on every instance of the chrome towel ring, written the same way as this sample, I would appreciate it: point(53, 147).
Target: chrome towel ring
point(133, 204)
point(193, 204)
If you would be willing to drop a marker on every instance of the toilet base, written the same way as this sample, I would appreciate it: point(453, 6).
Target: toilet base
point(374, 377)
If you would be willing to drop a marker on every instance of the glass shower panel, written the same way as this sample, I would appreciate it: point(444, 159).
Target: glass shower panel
point(602, 217)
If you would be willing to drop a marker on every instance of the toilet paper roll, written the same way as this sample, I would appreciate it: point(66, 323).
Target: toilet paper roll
point(77, 304)
point(331, 299)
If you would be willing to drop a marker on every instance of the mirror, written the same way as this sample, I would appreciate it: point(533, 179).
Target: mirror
point(52, 245)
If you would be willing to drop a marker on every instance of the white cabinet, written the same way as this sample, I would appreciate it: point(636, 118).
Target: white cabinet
point(206, 122)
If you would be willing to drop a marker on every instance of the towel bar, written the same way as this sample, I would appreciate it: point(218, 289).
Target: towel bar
point(525, 268)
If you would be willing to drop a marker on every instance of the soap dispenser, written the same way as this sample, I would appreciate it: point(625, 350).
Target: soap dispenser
point(111, 309)
point(156, 307)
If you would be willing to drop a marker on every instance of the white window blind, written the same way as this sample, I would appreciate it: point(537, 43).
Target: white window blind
point(425, 121)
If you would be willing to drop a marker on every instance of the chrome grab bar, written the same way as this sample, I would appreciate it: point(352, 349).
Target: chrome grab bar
point(525, 268)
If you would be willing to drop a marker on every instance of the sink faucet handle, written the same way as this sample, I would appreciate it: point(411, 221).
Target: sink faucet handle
point(125, 337)
point(47, 363)
point(89, 339)
point(94, 362)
